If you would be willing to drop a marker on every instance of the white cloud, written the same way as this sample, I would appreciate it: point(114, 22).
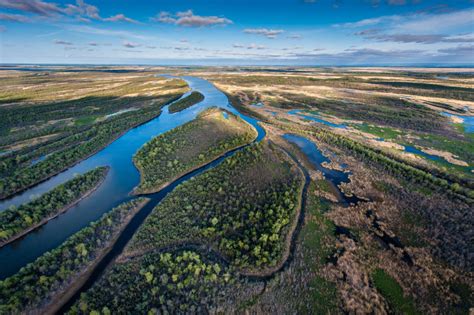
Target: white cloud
point(62, 42)
point(33, 6)
point(418, 22)
point(294, 36)
point(189, 19)
point(82, 10)
point(438, 22)
point(105, 32)
point(13, 18)
point(130, 45)
point(269, 33)
point(120, 18)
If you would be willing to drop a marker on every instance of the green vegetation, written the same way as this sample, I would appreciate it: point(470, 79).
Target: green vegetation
point(193, 98)
point(381, 132)
point(386, 111)
point(429, 89)
point(408, 229)
point(353, 81)
point(69, 116)
point(323, 185)
point(302, 288)
point(466, 297)
point(461, 146)
point(163, 283)
point(72, 149)
point(393, 293)
point(42, 284)
point(179, 151)
point(87, 120)
point(429, 178)
point(317, 237)
point(246, 110)
point(15, 222)
point(244, 207)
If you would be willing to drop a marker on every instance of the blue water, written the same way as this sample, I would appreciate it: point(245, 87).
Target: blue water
point(226, 116)
point(121, 179)
point(468, 121)
point(414, 150)
point(37, 160)
point(315, 156)
point(316, 119)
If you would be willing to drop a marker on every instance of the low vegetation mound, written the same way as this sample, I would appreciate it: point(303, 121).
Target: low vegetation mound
point(193, 98)
point(15, 222)
point(183, 149)
point(393, 293)
point(42, 286)
point(246, 208)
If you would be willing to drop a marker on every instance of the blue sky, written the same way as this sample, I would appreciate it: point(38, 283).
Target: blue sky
point(285, 32)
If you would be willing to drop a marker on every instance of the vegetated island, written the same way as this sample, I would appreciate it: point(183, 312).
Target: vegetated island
point(241, 214)
point(186, 148)
point(192, 99)
point(49, 282)
point(17, 222)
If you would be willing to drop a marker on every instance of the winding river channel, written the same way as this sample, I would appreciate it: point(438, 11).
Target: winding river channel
point(121, 179)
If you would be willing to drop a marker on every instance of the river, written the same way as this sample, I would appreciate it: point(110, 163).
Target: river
point(121, 179)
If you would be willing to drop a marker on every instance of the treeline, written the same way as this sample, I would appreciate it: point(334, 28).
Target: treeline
point(178, 151)
point(237, 104)
point(243, 207)
point(17, 221)
point(106, 95)
point(41, 284)
point(428, 89)
point(76, 147)
point(387, 111)
point(193, 98)
point(23, 115)
point(356, 82)
point(157, 283)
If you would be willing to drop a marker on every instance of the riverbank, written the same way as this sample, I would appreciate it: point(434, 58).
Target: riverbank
point(76, 283)
point(210, 135)
point(59, 212)
point(292, 232)
point(137, 192)
point(117, 136)
point(57, 275)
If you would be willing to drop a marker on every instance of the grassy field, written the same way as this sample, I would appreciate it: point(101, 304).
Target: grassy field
point(393, 293)
point(179, 151)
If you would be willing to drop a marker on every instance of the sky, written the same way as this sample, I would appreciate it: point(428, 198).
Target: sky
point(232, 32)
